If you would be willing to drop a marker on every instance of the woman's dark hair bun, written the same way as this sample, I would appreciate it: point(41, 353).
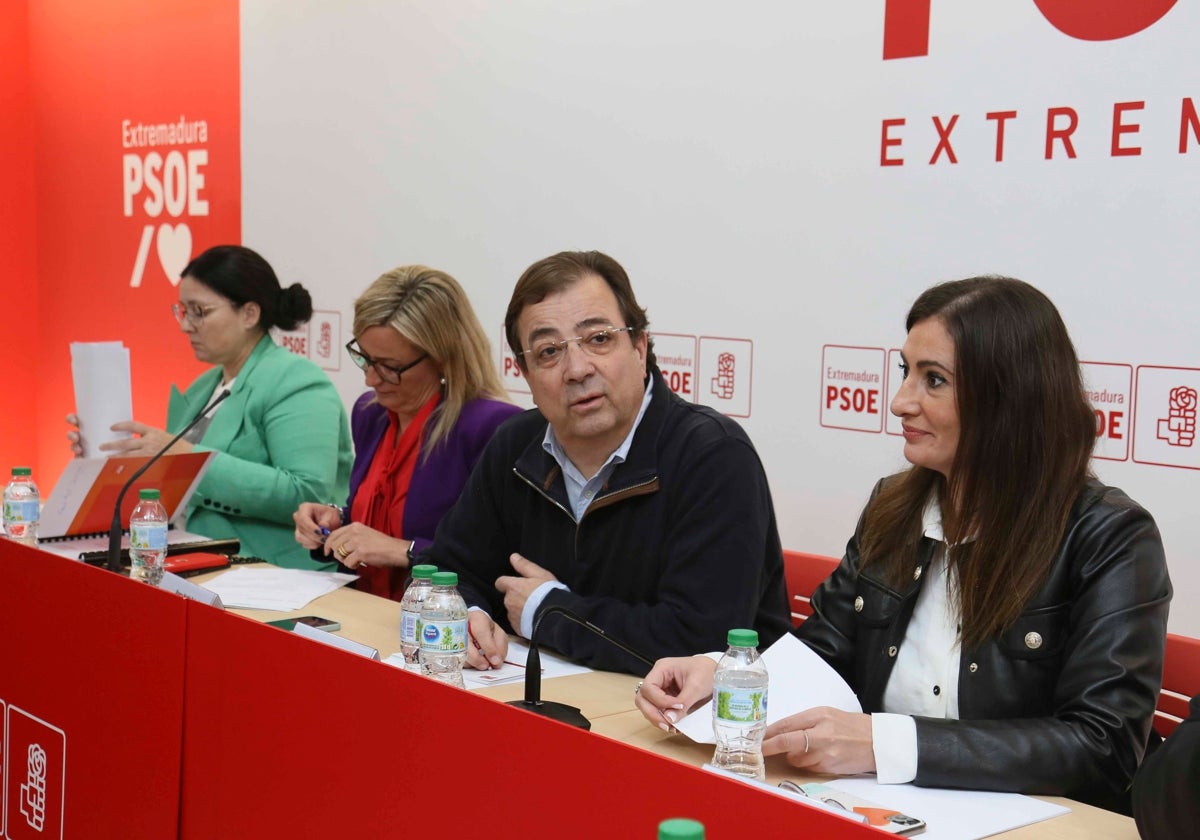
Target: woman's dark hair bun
point(294, 308)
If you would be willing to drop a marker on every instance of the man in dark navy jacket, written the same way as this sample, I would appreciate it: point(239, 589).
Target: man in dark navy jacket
point(646, 515)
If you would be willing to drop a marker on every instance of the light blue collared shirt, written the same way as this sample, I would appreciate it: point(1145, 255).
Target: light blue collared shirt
point(580, 493)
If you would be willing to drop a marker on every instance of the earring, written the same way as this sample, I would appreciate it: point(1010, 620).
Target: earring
point(443, 380)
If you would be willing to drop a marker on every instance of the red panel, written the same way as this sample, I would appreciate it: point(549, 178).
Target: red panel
point(18, 316)
point(93, 676)
point(98, 69)
point(288, 738)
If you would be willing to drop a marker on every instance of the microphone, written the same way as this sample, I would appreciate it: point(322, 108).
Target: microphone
point(533, 672)
point(114, 531)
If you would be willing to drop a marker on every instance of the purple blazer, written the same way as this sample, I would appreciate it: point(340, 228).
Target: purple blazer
point(438, 479)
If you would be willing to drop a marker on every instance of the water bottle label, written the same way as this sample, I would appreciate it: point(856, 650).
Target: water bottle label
point(740, 705)
point(24, 510)
point(152, 537)
point(444, 636)
point(410, 627)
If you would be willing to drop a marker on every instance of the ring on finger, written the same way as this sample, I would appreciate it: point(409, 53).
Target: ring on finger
point(341, 551)
point(637, 690)
point(806, 744)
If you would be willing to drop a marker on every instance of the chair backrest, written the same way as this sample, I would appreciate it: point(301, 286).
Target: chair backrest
point(804, 573)
point(1181, 681)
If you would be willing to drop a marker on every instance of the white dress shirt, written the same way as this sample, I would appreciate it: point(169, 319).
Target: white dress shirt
point(924, 680)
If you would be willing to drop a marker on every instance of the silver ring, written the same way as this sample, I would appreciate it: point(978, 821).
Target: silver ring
point(637, 690)
point(805, 731)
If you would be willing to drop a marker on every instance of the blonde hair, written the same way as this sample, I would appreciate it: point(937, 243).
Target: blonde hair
point(428, 308)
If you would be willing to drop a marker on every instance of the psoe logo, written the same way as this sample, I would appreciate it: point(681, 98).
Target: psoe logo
point(906, 22)
point(169, 181)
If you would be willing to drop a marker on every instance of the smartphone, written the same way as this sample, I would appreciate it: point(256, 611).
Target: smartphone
point(311, 620)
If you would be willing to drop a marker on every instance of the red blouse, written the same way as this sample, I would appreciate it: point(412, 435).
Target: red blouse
point(379, 500)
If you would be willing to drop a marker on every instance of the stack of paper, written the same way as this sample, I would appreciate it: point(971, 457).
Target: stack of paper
point(272, 588)
point(103, 394)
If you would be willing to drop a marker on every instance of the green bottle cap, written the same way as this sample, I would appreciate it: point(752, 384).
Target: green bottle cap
point(743, 638)
point(149, 493)
point(445, 579)
point(424, 571)
point(21, 471)
point(680, 829)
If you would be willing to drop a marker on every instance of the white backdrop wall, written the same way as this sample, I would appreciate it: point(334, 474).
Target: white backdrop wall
point(731, 158)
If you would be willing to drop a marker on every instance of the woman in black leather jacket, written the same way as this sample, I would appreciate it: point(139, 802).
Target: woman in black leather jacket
point(1000, 613)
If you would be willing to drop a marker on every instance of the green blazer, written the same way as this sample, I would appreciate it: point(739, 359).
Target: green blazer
point(281, 438)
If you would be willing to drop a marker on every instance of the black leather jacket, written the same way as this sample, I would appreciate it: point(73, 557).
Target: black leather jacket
point(1061, 702)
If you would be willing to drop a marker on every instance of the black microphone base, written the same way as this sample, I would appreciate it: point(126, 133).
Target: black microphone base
point(560, 712)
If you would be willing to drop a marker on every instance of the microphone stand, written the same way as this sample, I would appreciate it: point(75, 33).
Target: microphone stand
point(114, 531)
point(533, 672)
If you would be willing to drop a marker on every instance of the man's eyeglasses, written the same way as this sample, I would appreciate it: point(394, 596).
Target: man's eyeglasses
point(193, 314)
point(547, 354)
point(388, 373)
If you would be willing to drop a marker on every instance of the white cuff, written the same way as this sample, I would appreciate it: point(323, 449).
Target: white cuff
point(533, 602)
point(894, 739)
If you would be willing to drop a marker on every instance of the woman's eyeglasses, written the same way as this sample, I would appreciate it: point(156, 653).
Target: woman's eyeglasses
point(193, 314)
point(388, 373)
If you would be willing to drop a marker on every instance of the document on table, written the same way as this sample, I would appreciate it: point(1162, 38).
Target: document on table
point(272, 588)
point(513, 669)
point(103, 394)
point(798, 680)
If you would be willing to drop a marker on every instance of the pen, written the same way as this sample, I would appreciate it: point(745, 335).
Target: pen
point(479, 648)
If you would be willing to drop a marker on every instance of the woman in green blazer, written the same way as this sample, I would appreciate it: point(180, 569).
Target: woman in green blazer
point(281, 436)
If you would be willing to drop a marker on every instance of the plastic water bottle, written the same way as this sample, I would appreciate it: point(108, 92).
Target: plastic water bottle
point(444, 630)
point(22, 507)
point(680, 829)
point(147, 538)
point(410, 615)
point(740, 706)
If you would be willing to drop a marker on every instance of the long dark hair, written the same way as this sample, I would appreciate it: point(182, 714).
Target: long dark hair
point(1025, 440)
point(242, 276)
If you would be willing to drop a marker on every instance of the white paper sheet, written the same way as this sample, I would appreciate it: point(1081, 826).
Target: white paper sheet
point(513, 669)
point(798, 680)
point(273, 588)
point(103, 393)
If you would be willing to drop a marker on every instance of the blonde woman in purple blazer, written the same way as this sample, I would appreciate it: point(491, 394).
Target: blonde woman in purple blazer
point(435, 402)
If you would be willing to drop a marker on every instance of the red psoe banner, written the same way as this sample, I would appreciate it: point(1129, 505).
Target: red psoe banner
point(137, 117)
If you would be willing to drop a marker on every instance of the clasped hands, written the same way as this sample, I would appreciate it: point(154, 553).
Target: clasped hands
point(148, 442)
point(822, 739)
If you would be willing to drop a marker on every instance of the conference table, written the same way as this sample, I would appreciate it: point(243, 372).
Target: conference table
point(130, 712)
point(606, 699)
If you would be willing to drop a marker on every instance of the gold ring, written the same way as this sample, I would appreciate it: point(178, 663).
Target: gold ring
point(341, 551)
point(805, 731)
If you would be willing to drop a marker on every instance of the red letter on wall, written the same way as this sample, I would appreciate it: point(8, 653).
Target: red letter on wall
point(905, 28)
point(1188, 119)
point(1000, 117)
point(1102, 20)
point(1063, 134)
point(889, 141)
point(1120, 127)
